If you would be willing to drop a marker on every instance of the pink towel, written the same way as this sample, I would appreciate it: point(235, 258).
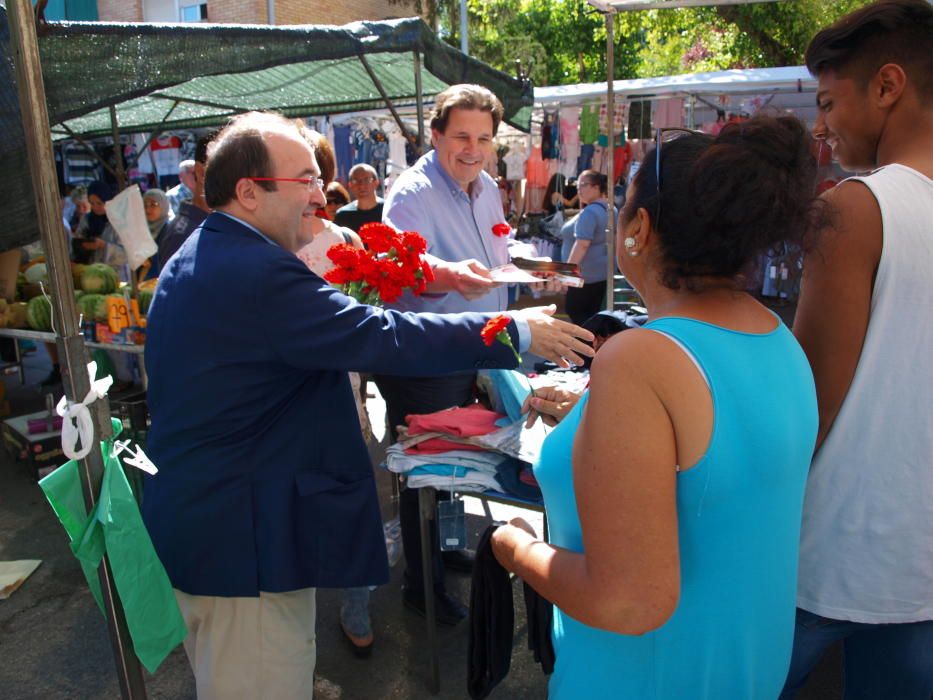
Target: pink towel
point(455, 422)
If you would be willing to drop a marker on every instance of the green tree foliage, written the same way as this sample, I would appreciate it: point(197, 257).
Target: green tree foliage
point(564, 41)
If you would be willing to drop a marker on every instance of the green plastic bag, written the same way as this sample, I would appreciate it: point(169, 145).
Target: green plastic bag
point(116, 527)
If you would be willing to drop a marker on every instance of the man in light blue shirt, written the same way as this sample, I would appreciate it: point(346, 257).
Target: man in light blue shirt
point(184, 190)
point(447, 198)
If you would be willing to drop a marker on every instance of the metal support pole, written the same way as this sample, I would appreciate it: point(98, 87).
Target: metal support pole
point(610, 118)
point(427, 511)
point(117, 150)
point(385, 97)
point(71, 345)
point(419, 103)
point(464, 31)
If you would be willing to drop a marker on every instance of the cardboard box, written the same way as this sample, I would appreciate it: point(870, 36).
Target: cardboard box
point(9, 269)
point(41, 452)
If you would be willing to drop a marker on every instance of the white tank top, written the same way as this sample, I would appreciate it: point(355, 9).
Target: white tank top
point(866, 551)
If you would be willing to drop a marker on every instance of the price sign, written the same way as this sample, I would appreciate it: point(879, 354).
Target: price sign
point(118, 315)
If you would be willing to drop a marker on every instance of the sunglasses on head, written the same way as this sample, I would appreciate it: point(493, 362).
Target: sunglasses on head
point(665, 135)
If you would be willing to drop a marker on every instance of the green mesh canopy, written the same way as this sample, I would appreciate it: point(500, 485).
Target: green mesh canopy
point(170, 76)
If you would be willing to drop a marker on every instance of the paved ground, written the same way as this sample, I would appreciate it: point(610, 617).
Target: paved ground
point(54, 645)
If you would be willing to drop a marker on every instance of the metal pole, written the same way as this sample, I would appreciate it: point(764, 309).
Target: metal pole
point(419, 103)
point(385, 96)
point(464, 32)
point(71, 345)
point(117, 150)
point(270, 11)
point(610, 208)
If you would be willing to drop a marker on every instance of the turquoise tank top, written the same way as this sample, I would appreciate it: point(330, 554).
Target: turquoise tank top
point(738, 510)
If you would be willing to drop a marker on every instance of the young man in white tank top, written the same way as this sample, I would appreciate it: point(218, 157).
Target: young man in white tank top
point(865, 320)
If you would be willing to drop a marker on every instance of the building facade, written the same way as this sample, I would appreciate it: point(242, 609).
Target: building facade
point(244, 11)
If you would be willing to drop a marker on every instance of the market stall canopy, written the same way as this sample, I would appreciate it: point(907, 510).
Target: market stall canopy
point(725, 82)
point(165, 76)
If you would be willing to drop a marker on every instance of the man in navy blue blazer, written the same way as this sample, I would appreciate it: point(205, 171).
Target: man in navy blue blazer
point(265, 490)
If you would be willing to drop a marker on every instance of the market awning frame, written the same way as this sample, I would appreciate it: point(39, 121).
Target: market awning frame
point(160, 77)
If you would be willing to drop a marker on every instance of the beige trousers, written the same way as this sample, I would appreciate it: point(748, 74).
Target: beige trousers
point(251, 648)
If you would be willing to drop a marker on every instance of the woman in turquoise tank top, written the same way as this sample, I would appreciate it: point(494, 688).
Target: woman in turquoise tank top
point(674, 487)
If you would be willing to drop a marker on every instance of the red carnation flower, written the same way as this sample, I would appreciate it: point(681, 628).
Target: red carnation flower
point(379, 238)
point(501, 229)
point(495, 329)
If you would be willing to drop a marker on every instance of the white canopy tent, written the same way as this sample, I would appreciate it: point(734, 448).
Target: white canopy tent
point(610, 8)
point(788, 88)
point(632, 5)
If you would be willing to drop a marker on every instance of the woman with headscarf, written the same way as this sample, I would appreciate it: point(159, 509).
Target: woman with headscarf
point(90, 241)
point(158, 213)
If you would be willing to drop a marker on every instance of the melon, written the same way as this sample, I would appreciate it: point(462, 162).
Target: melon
point(93, 307)
point(39, 314)
point(144, 299)
point(16, 315)
point(99, 278)
point(37, 273)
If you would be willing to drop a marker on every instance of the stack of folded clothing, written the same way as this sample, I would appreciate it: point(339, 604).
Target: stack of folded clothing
point(461, 449)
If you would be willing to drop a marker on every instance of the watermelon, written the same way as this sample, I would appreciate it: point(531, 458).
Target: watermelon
point(144, 299)
point(39, 314)
point(93, 307)
point(99, 278)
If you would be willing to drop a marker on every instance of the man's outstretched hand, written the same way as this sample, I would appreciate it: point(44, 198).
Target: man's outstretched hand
point(558, 341)
point(468, 278)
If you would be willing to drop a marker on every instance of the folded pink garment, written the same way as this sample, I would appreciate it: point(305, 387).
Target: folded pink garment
point(437, 445)
point(458, 422)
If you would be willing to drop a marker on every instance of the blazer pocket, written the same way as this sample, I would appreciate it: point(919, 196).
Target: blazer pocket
point(340, 528)
point(312, 483)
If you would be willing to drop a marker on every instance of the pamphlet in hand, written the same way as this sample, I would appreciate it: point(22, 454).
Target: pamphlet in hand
point(512, 274)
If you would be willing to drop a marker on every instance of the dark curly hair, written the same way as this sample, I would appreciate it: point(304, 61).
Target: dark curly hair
point(725, 200)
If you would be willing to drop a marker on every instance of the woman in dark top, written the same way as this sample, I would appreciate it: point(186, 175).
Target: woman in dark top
point(559, 194)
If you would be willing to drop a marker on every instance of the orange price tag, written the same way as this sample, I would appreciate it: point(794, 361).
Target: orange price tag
point(118, 315)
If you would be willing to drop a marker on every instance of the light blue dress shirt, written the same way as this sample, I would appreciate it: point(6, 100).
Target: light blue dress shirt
point(457, 225)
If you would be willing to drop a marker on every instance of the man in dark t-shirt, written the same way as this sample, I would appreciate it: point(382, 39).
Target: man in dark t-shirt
point(366, 206)
point(191, 212)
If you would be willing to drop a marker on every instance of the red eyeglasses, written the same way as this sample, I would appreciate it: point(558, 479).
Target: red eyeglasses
point(309, 182)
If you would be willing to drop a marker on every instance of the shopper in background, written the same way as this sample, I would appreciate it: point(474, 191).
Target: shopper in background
point(584, 244)
point(191, 212)
point(184, 190)
point(866, 300)
point(157, 209)
point(90, 238)
point(336, 196)
point(366, 207)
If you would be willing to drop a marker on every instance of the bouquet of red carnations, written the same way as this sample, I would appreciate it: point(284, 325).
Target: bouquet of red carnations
point(391, 263)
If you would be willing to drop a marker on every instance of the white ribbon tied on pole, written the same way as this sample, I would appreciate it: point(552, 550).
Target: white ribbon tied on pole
point(77, 423)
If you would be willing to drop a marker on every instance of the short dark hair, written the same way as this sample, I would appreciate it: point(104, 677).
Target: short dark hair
point(597, 178)
point(889, 31)
point(238, 151)
point(465, 97)
point(200, 148)
point(727, 199)
point(335, 189)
